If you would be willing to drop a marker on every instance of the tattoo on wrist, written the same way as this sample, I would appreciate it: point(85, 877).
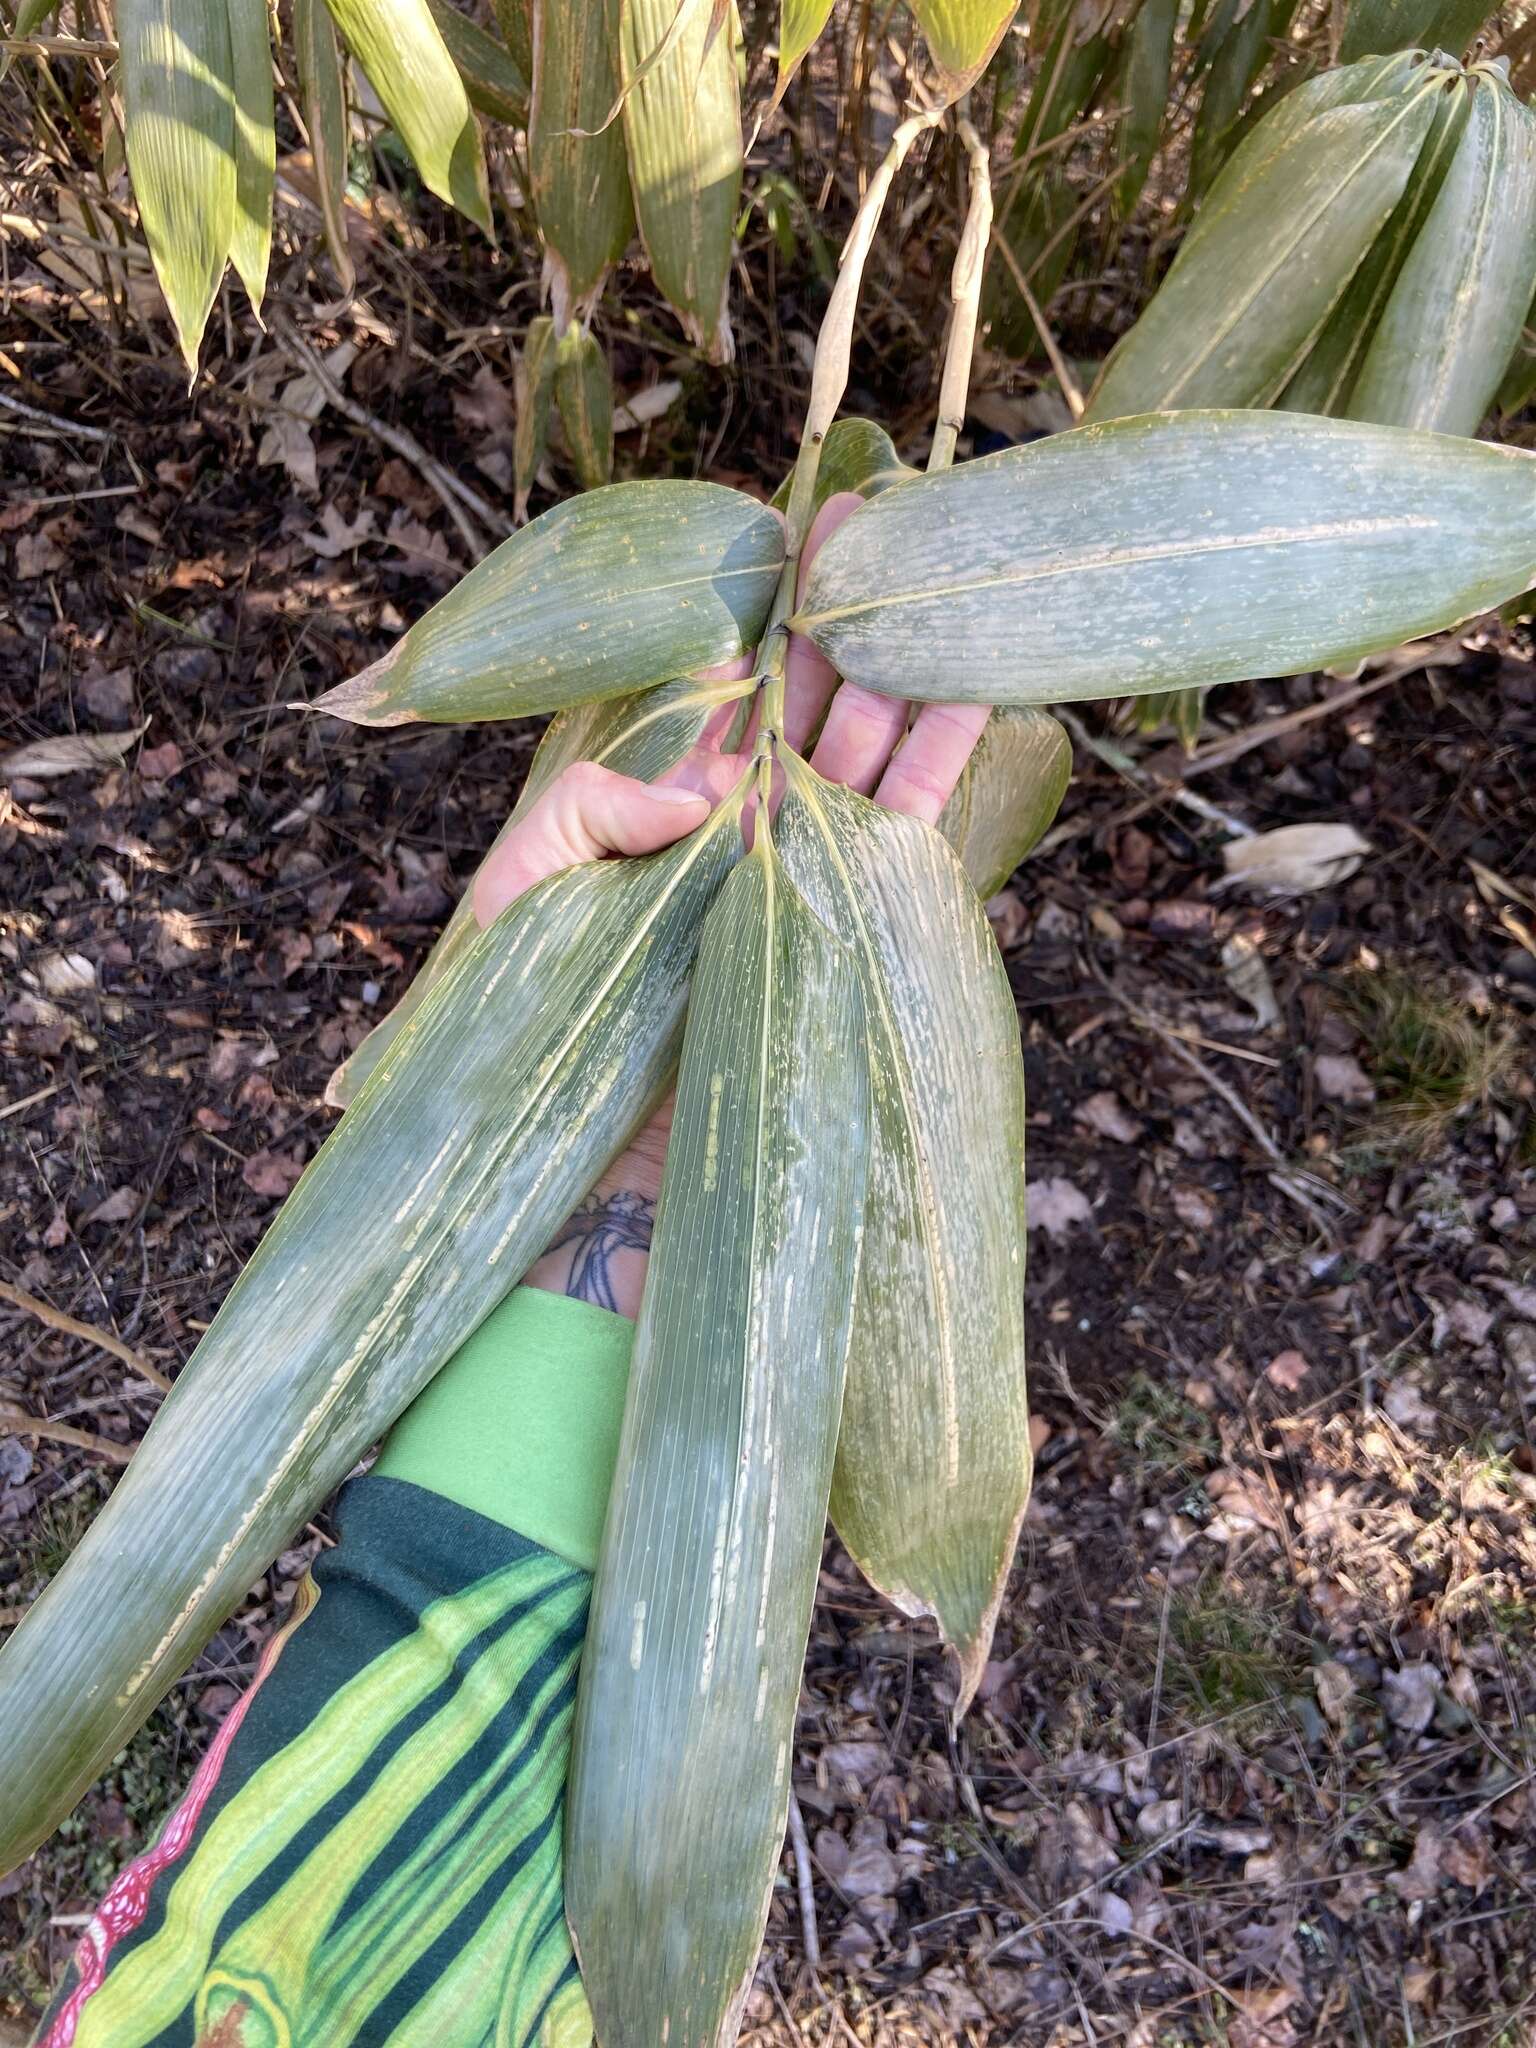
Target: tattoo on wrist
point(603, 1227)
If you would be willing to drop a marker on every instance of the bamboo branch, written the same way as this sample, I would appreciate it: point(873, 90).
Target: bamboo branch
point(965, 296)
point(56, 1319)
point(16, 1422)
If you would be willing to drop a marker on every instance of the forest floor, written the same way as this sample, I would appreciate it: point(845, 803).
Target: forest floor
point(1255, 1763)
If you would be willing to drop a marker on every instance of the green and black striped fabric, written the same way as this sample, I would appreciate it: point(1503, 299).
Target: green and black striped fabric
point(371, 1851)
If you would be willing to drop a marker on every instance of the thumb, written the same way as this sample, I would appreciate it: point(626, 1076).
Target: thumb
point(586, 813)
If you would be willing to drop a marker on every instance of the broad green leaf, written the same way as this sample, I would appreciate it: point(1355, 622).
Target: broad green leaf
point(533, 385)
point(607, 593)
point(1371, 26)
point(1457, 23)
point(576, 163)
point(1169, 552)
point(800, 23)
point(1233, 66)
point(527, 1069)
point(176, 69)
point(1147, 78)
point(690, 1676)
point(402, 52)
point(1008, 794)
point(857, 455)
point(584, 394)
point(515, 20)
point(322, 91)
point(250, 46)
point(1245, 299)
point(1325, 380)
point(493, 81)
point(1458, 307)
point(933, 1460)
point(962, 34)
point(643, 736)
point(682, 135)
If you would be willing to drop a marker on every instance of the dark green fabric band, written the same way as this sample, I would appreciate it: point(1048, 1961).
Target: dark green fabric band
point(522, 1424)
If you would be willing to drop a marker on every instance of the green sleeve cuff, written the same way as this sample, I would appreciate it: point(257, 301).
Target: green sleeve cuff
point(522, 1423)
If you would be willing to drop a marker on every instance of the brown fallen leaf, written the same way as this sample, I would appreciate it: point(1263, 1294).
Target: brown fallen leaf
point(271, 1172)
point(1057, 1206)
point(1107, 1116)
point(69, 753)
point(1287, 1370)
point(1341, 1078)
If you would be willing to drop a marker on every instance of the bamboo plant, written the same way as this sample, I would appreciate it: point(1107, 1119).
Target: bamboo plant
point(850, 1120)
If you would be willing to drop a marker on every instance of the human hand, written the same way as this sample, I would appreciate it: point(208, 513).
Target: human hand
point(588, 813)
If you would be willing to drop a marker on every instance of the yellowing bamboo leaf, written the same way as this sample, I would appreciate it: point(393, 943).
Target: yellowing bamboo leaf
point(1008, 793)
point(1248, 295)
point(1170, 552)
point(527, 1069)
point(800, 23)
point(534, 384)
point(177, 73)
point(402, 51)
point(493, 82)
point(962, 34)
point(1457, 309)
point(250, 45)
point(584, 394)
point(610, 592)
point(643, 736)
point(933, 1461)
point(322, 91)
point(702, 1603)
point(577, 167)
point(515, 20)
point(682, 136)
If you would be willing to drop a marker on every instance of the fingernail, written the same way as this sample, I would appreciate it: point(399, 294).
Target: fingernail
point(678, 796)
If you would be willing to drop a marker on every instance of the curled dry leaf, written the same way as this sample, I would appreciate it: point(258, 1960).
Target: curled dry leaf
point(1056, 1206)
point(1293, 860)
point(69, 753)
point(1341, 1078)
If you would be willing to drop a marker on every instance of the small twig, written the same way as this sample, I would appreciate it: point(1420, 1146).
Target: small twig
point(104, 1340)
point(56, 46)
point(10, 1616)
point(1143, 778)
point(52, 420)
point(804, 1884)
point(1064, 377)
point(16, 1422)
point(457, 496)
point(965, 296)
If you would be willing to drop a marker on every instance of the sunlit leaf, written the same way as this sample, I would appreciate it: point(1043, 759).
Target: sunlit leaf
point(933, 1462)
point(523, 1074)
point(250, 45)
point(607, 593)
point(702, 1603)
point(1169, 552)
point(800, 23)
point(962, 34)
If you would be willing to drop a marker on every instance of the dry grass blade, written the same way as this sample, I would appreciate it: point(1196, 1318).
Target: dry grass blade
point(702, 1602)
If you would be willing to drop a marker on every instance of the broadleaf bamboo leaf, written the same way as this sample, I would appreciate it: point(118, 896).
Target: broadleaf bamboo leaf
point(322, 91)
point(682, 136)
point(857, 455)
point(643, 736)
point(800, 23)
point(526, 1070)
point(401, 49)
point(515, 20)
point(1169, 552)
point(1148, 76)
point(533, 385)
point(1008, 794)
point(933, 1462)
point(702, 1604)
point(1246, 298)
point(962, 35)
point(1378, 26)
point(250, 45)
point(1444, 340)
point(576, 164)
point(176, 68)
point(607, 593)
point(584, 394)
point(494, 83)
point(1325, 380)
